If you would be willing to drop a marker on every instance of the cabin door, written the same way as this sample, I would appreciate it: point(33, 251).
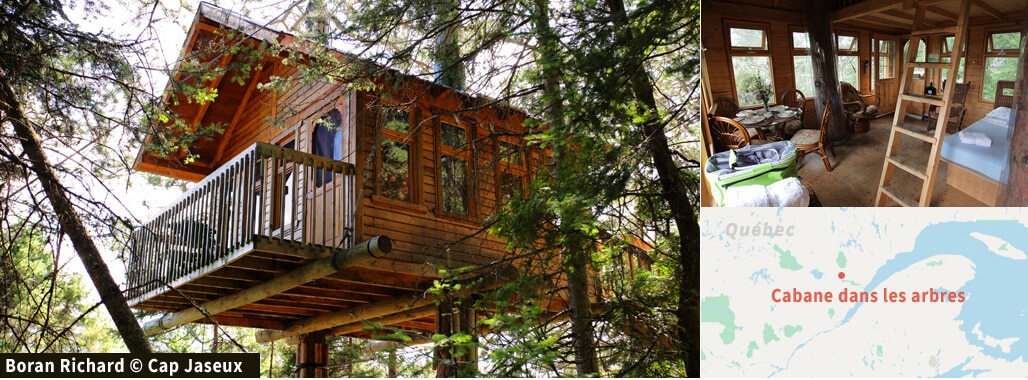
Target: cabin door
point(324, 204)
point(887, 70)
point(287, 210)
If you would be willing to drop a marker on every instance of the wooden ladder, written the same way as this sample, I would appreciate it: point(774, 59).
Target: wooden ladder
point(887, 188)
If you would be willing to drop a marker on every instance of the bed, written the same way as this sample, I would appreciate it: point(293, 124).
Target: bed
point(977, 170)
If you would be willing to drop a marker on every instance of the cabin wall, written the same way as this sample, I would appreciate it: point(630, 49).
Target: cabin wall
point(716, 19)
point(421, 231)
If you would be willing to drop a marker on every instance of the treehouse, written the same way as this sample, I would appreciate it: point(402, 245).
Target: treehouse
point(904, 83)
point(321, 207)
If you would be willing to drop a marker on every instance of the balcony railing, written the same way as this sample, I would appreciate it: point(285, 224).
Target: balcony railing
point(267, 194)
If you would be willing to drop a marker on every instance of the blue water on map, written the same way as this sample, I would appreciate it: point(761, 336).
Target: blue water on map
point(995, 297)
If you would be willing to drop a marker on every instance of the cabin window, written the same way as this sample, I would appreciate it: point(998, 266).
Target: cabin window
point(453, 168)
point(327, 142)
point(947, 49)
point(751, 62)
point(1001, 51)
point(396, 158)
point(886, 59)
point(922, 52)
point(511, 170)
point(803, 70)
point(848, 58)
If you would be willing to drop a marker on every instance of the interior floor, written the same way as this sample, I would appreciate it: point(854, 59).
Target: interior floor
point(857, 170)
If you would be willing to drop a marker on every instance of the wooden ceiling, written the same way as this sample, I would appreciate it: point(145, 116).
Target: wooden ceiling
point(896, 16)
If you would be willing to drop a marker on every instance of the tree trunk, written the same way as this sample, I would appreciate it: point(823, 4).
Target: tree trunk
point(1015, 193)
point(577, 257)
point(675, 193)
point(71, 223)
point(822, 59)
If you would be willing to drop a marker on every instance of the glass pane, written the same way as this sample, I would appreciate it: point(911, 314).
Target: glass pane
point(752, 79)
point(455, 185)
point(848, 66)
point(748, 38)
point(800, 40)
point(454, 136)
point(997, 69)
point(510, 154)
point(397, 120)
point(394, 179)
point(847, 43)
point(960, 73)
point(509, 184)
point(1004, 41)
point(804, 73)
point(886, 59)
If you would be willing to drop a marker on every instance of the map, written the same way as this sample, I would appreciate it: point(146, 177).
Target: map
point(864, 292)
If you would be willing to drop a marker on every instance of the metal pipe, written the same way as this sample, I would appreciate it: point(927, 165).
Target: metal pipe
point(378, 246)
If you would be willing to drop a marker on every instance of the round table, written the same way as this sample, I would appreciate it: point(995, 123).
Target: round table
point(771, 122)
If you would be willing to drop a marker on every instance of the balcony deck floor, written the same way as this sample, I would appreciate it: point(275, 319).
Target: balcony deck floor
point(265, 259)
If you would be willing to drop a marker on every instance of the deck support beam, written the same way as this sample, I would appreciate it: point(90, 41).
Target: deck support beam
point(376, 247)
point(404, 307)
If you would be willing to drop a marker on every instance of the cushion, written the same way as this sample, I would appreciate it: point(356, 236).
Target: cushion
point(806, 137)
point(1000, 113)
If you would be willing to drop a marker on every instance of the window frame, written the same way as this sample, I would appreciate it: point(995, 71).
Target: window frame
point(413, 154)
point(741, 51)
point(988, 53)
point(804, 52)
point(854, 51)
point(519, 170)
point(467, 155)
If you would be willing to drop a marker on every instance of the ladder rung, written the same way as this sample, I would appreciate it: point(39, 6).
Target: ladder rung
point(907, 166)
point(930, 65)
point(930, 32)
point(923, 136)
point(933, 100)
point(894, 193)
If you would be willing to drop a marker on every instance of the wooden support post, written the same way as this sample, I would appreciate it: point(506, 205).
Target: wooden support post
point(376, 247)
point(312, 355)
point(822, 59)
point(453, 359)
point(1015, 193)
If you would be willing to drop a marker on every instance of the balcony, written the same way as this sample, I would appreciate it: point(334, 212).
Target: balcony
point(265, 212)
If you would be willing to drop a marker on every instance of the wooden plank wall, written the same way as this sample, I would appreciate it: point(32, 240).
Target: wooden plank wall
point(420, 231)
point(717, 15)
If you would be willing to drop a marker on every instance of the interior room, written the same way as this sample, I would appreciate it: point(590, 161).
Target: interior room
point(930, 127)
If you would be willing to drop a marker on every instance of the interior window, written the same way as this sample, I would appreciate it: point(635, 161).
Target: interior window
point(803, 70)
point(848, 59)
point(751, 64)
point(1001, 50)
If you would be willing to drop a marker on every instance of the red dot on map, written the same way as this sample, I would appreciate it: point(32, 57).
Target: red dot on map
point(842, 275)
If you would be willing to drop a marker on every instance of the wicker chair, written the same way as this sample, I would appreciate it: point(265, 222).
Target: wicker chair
point(729, 134)
point(794, 98)
point(813, 140)
point(860, 109)
point(726, 107)
point(956, 111)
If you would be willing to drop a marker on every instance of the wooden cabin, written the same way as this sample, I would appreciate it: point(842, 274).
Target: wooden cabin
point(313, 170)
point(772, 40)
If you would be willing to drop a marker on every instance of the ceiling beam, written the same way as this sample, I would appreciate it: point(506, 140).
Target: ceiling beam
point(942, 12)
point(864, 8)
point(987, 8)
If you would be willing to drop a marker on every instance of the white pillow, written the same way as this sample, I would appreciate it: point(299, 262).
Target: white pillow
point(1001, 114)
